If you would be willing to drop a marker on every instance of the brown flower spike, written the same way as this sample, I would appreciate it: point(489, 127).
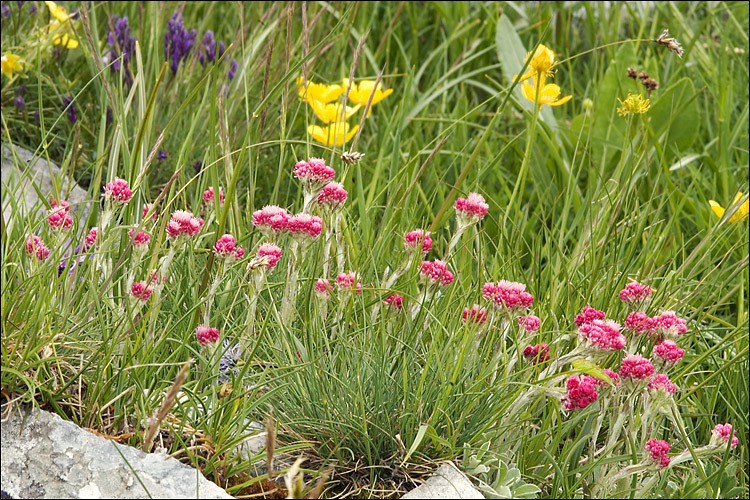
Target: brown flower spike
point(670, 43)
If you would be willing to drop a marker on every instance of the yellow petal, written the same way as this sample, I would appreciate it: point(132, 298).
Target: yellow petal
point(742, 210)
point(57, 12)
point(561, 101)
point(718, 210)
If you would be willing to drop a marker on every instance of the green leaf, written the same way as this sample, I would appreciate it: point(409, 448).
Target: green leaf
point(589, 368)
point(674, 112)
point(417, 441)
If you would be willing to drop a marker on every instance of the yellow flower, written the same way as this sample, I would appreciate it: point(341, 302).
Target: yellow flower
point(332, 112)
point(541, 63)
point(334, 135)
point(66, 39)
point(360, 92)
point(11, 63)
point(58, 12)
point(319, 92)
point(633, 105)
point(549, 93)
point(740, 214)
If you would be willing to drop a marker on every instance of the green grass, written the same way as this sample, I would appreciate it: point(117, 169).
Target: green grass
point(604, 199)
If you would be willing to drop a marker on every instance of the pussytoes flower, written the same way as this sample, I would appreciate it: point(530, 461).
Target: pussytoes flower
point(314, 173)
point(349, 282)
point(208, 196)
point(657, 452)
point(589, 314)
point(271, 220)
point(59, 218)
point(413, 239)
point(536, 353)
point(471, 209)
point(146, 208)
point(720, 435)
point(141, 240)
point(639, 322)
point(304, 227)
point(271, 252)
point(668, 325)
point(332, 196)
point(35, 247)
point(509, 295)
point(118, 192)
point(183, 223)
point(529, 323)
point(91, 237)
point(394, 301)
point(581, 393)
point(475, 314)
point(140, 290)
point(323, 288)
point(226, 247)
point(613, 376)
point(662, 383)
point(635, 294)
point(602, 334)
point(436, 273)
point(668, 352)
point(207, 335)
point(636, 367)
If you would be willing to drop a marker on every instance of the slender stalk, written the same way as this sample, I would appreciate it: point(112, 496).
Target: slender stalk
point(290, 292)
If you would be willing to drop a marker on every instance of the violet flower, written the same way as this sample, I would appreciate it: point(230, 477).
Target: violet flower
point(121, 42)
point(177, 41)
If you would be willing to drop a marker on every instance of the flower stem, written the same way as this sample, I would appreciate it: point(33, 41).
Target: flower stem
point(290, 292)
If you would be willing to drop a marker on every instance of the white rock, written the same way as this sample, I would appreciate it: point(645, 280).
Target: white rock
point(446, 482)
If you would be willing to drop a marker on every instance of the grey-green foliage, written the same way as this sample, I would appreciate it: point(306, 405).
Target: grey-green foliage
point(496, 478)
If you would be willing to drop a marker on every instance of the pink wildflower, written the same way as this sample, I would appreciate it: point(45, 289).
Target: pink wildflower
point(720, 434)
point(141, 239)
point(529, 323)
point(508, 294)
point(207, 335)
point(208, 196)
point(436, 272)
point(634, 293)
point(614, 377)
point(272, 252)
point(639, 322)
point(314, 172)
point(183, 223)
point(395, 301)
point(668, 352)
point(604, 335)
point(91, 237)
point(588, 314)
point(332, 196)
point(668, 325)
point(349, 282)
point(35, 247)
point(227, 248)
point(536, 353)
point(118, 192)
point(59, 218)
point(304, 227)
point(636, 367)
point(471, 209)
point(657, 452)
point(323, 288)
point(140, 290)
point(146, 208)
point(271, 220)
point(581, 393)
point(661, 382)
point(476, 314)
point(419, 238)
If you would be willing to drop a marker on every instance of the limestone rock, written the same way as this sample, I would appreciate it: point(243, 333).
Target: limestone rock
point(446, 482)
point(48, 457)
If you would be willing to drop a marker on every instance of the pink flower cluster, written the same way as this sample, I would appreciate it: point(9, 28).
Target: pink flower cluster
point(323, 288)
point(657, 452)
point(613, 376)
point(35, 247)
point(304, 227)
point(668, 352)
point(662, 383)
point(207, 335)
point(118, 191)
point(349, 282)
point(589, 314)
point(413, 239)
point(271, 219)
point(146, 208)
point(333, 195)
point(536, 353)
point(314, 171)
point(272, 252)
point(226, 247)
point(59, 218)
point(141, 291)
point(208, 196)
point(508, 294)
point(581, 392)
point(91, 237)
point(395, 301)
point(668, 325)
point(638, 322)
point(436, 272)
point(140, 242)
point(634, 293)
point(471, 209)
point(602, 334)
point(183, 223)
point(721, 433)
point(529, 323)
point(636, 367)
point(476, 314)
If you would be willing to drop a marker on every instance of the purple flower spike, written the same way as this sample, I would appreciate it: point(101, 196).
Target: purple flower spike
point(177, 41)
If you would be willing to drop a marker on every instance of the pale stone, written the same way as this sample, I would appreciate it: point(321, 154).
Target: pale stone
point(446, 482)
